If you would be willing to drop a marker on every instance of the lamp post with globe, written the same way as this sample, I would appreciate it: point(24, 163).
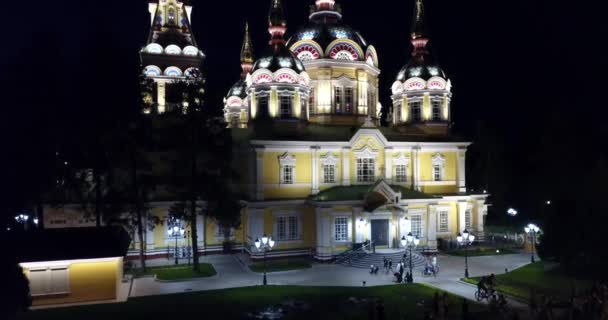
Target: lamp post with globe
point(410, 242)
point(176, 230)
point(265, 245)
point(465, 239)
point(532, 230)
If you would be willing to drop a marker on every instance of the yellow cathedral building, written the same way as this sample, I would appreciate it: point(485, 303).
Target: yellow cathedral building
point(321, 174)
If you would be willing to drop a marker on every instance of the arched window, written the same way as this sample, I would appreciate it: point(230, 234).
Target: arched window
point(171, 16)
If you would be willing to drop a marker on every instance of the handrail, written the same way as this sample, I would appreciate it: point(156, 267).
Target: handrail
point(347, 255)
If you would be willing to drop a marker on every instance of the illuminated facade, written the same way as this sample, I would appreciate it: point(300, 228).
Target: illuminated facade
point(342, 66)
point(171, 52)
point(422, 91)
point(326, 176)
point(236, 103)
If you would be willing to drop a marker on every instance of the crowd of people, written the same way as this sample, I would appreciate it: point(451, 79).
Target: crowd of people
point(400, 273)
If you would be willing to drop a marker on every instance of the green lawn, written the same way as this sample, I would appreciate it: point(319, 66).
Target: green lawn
point(281, 265)
point(298, 303)
point(479, 252)
point(520, 282)
point(181, 272)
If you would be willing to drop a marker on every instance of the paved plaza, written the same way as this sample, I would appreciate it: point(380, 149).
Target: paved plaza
point(232, 272)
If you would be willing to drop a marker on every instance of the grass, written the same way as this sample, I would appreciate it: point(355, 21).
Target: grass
point(181, 272)
point(281, 265)
point(299, 303)
point(480, 252)
point(521, 282)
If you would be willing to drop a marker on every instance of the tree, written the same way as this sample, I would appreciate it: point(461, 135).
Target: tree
point(15, 285)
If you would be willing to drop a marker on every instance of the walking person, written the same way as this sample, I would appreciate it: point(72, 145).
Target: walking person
point(434, 264)
point(390, 265)
point(385, 265)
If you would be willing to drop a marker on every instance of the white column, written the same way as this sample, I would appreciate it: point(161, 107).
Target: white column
point(388, 164)
point(160, 98)
point(149, 233)
point(359, 226)
point(200, 231)
point(416, 168)
point(315, 169)
point(462, 209)
point(324, 249)
point(481, 209)
point(346, 166)
point(432, 227)
point(462, 181)
point(259, 195)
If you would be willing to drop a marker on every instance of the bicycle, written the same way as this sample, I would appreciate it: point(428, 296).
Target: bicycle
point(487, 294)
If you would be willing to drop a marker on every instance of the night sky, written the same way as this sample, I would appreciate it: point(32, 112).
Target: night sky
point(523, 71)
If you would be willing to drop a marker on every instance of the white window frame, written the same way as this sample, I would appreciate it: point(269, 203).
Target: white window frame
point(341, 229)
point(292, 224)
point(329, 160)
point(349, 93)
point(366, 154)
point(421, 226)
point(404, 162)
point(287, 164)
point(47, 278)
point(441, 227)
point(329, 174)
point(438, 167)
point(468, 219)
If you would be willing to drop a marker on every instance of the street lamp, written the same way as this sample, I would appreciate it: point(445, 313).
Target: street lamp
point(512, 212)
point(532, 230)
point(22, 218)
point(466, 239)
point(176, 230)
point(265, 245)
point(410, 242)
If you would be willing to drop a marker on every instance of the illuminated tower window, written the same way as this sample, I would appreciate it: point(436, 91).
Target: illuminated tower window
point(171, 16)
point(436, 110)
point(416, 111)
point(338, 99)
point(349, 97)
point(437, 175)
point(263, 105)
point(286, 106)
point(311, 102)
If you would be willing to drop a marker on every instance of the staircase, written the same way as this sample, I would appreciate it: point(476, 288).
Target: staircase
point(364, 260)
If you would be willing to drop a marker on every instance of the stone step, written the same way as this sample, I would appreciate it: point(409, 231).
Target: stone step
point(364, 261)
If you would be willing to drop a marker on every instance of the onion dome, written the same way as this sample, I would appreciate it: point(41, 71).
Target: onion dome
point(422, 65)
point(325, 36)
point(279, 60)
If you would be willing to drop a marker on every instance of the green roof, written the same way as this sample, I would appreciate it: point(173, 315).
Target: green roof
point(359, 192)
point(333, 133)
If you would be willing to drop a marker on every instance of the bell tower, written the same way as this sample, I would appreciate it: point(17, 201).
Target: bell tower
point(171, 52)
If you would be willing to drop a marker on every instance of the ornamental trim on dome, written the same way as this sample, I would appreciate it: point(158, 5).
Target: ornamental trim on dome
point(284, 75)
point(413, 84)
point(152, 71)
point(371, 56)
point(234, 102)
point(344, 49)
point(173, 72)
point(307, 50)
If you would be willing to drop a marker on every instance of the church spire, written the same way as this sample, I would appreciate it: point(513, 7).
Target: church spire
point(246, 53)
point(419, 35)
point(277, 25)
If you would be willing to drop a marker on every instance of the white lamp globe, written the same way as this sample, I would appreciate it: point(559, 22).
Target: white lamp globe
point(170, 232)
point(410, 237)
point(403, 241)
point(471, 238)
point(459, 238)
point(264, 239)
point(271, 243)
point(175, 229)
point(416, 241)
point(527, 229)
point(257, 243)
point(465, 234)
